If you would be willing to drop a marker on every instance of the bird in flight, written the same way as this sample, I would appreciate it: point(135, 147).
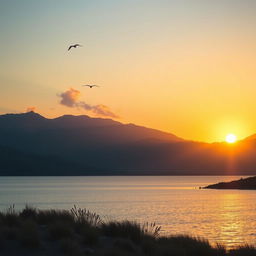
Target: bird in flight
point(91, 85)
point(74, 46)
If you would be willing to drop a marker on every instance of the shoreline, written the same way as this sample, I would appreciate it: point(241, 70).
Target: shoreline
point(248, 183)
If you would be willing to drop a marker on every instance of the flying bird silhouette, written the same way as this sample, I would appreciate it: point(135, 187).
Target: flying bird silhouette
point(74, 46)
point(91, 85)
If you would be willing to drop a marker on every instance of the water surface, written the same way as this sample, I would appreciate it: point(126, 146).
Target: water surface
point(174, 202)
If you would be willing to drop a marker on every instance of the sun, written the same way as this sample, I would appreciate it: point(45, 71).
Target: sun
point(231, 138)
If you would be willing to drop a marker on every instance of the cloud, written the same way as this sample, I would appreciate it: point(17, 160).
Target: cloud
point(29, 109)
point(70, 98)
point(100, 110)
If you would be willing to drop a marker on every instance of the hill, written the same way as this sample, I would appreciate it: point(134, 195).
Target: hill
point(31, 144)
point(252, 137)
point(16, 128)
point(81, 145)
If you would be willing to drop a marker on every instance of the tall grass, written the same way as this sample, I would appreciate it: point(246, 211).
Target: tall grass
point(71, 247)
point(84, 216)
point(81, 232)
point(10, 217)
point(60, 229)
point(130, 229)
point(245, 250)
point(28, 234)
point(45, 217)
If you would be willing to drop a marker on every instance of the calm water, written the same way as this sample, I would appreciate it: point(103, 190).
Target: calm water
point(174, 202)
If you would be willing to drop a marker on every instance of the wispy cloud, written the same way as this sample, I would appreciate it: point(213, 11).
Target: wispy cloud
point(100, 110)
point(70, 98)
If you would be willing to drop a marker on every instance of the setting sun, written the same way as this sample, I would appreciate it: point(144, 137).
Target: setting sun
point(231, 138)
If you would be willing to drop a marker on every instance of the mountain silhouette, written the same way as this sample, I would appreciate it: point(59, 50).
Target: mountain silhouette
point(80, 145)
point(251, 137)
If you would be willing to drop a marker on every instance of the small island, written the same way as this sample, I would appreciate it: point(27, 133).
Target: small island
point(247, 183)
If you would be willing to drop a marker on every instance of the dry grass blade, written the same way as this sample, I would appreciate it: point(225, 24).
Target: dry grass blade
point(151, 229)
point(86, 217)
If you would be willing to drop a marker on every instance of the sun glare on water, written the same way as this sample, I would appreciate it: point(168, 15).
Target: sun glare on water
point(231, 138)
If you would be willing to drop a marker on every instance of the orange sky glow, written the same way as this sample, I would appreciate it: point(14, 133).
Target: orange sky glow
point(185, 67)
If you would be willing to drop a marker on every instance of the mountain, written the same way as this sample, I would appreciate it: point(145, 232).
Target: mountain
point(98, 129)
point(75, 136)
point(81, 145)
point(16, 163)
point(252, 137)
point(85, 141)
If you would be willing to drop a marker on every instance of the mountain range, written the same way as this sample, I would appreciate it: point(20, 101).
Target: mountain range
point(31, 144)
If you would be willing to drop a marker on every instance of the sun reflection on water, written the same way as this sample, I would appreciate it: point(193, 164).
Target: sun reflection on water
point(232, 227)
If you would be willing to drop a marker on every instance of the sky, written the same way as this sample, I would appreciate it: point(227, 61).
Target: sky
point(182, 66)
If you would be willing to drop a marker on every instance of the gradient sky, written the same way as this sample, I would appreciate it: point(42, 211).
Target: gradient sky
point(183, 66)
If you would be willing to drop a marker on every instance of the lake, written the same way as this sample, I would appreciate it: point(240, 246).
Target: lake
point(174, 202)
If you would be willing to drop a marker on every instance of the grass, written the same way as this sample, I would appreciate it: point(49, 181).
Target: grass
point(60, 229)
point(85, 217)
point(46, 217)
point(9, 233)
point(191, 246)
point(10, 217)
point(70, 247)
point(81, 232)
point(243, 250)
point(28, 234)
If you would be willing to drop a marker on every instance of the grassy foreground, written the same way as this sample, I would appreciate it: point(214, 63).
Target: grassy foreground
point(79, 232)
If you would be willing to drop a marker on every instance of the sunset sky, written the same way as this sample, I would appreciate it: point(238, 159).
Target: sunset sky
point(183, 66)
